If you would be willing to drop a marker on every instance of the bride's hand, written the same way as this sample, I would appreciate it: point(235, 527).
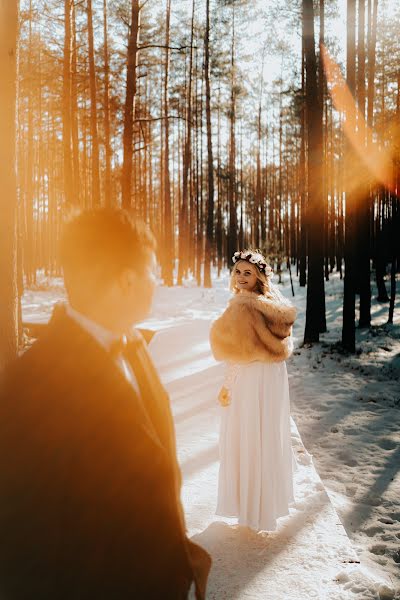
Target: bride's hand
point(224, 397)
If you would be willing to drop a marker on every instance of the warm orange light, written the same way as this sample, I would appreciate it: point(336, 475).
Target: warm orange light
point(378, 161)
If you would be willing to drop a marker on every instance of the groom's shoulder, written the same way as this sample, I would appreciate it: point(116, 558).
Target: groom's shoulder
point(40, 361)
point(31, 364)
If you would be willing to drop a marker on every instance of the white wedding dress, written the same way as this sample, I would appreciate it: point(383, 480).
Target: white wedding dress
point(256, 457)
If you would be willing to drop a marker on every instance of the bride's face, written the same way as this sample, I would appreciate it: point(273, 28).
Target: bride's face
point(245, 276)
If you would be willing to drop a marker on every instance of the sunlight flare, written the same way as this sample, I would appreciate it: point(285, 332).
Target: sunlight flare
point(378, 160)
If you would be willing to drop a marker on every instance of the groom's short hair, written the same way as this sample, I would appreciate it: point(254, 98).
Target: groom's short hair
point(97, 245)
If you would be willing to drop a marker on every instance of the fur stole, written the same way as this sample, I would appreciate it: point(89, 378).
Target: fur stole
point(254, 328)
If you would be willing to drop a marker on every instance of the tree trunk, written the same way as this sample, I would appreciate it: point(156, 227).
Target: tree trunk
point(129, 113)
point(258, 200)
point(96, 194)
point(315, 285)
point(68, 188)
point(395, 242)
point(74, 112)
point(340, 230)
point(371, 64)
point(232, 240)
point(321, 92)
point(302, 167)
point(29, 248)
point(348, 330)
point(210, 162)
point(107, 142)
point(168, 233)
point(392, 288)
point(363, 238)
point(200, 237)
point(219, 229)
point(184, 246)
point(323, 241)
point(8, 197)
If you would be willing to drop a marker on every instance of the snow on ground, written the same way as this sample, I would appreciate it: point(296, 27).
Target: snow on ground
point(347, 409)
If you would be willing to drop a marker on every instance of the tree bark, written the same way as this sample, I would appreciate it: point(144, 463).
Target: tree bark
point(315, 285)
point(259, 235)
point(219, 226)
point(395, 241)
point(184, 246)
point(8, 197)
point(68, 188)
point(302, 167)
point(107, 142)
point(363, 241)
point(371, 64)
point(74, 112)
point(348, 330)
point(96, 193)
point(232, 240)
point(129, 113)
point(323, 241)
point(168, 233)
point(28, 181)
point(210, 161)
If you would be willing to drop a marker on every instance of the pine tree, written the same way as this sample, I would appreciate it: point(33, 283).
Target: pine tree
point(8, 199)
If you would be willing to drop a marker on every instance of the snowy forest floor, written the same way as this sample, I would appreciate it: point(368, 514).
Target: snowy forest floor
point(347, 410)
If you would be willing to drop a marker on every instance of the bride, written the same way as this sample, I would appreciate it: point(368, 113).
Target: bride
point(253, 336)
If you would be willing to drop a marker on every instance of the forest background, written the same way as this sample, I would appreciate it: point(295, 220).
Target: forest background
point(216, 122)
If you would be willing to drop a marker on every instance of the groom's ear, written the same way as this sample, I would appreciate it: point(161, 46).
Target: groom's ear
point(126, 280)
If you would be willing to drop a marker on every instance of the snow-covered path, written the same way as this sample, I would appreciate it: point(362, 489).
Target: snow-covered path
point(309, 556)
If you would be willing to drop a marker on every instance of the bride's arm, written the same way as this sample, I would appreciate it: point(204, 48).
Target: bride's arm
point(225, 393)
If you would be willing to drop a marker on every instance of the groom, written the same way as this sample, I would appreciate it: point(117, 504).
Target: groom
point(89, 481)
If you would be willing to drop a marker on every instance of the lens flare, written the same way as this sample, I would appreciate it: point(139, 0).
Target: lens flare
point(377, 159)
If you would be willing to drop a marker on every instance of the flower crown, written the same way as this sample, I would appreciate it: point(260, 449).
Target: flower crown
point(254, 258)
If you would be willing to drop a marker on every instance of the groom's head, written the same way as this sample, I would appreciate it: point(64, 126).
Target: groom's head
point(108, 261)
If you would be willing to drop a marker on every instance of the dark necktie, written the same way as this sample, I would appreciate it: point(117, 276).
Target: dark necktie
point(127, 348)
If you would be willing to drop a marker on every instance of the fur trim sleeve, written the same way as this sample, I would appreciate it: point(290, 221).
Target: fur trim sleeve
point(223, 338)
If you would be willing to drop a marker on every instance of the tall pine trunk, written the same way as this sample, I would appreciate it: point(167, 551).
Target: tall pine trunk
point(129, 112)
point(348, 330)
point(232, 241)
point(107, 141)
point(259, 232)
point(363, 238)
point(210, 162)
point(322, 241)
point(372, 26)
point(302, 167)
point(168, 232)
point(184, 245)
point(66, 113)
point(8, 197)
point(29, 247)
point(96, 194)
point(321, 92)
point(395, 225)
point(74, 112)
point(315, 313)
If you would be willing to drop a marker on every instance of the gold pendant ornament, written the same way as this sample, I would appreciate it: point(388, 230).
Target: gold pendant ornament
point(224, 396)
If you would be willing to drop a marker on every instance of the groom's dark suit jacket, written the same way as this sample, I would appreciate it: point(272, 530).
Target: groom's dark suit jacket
point(89, 482)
